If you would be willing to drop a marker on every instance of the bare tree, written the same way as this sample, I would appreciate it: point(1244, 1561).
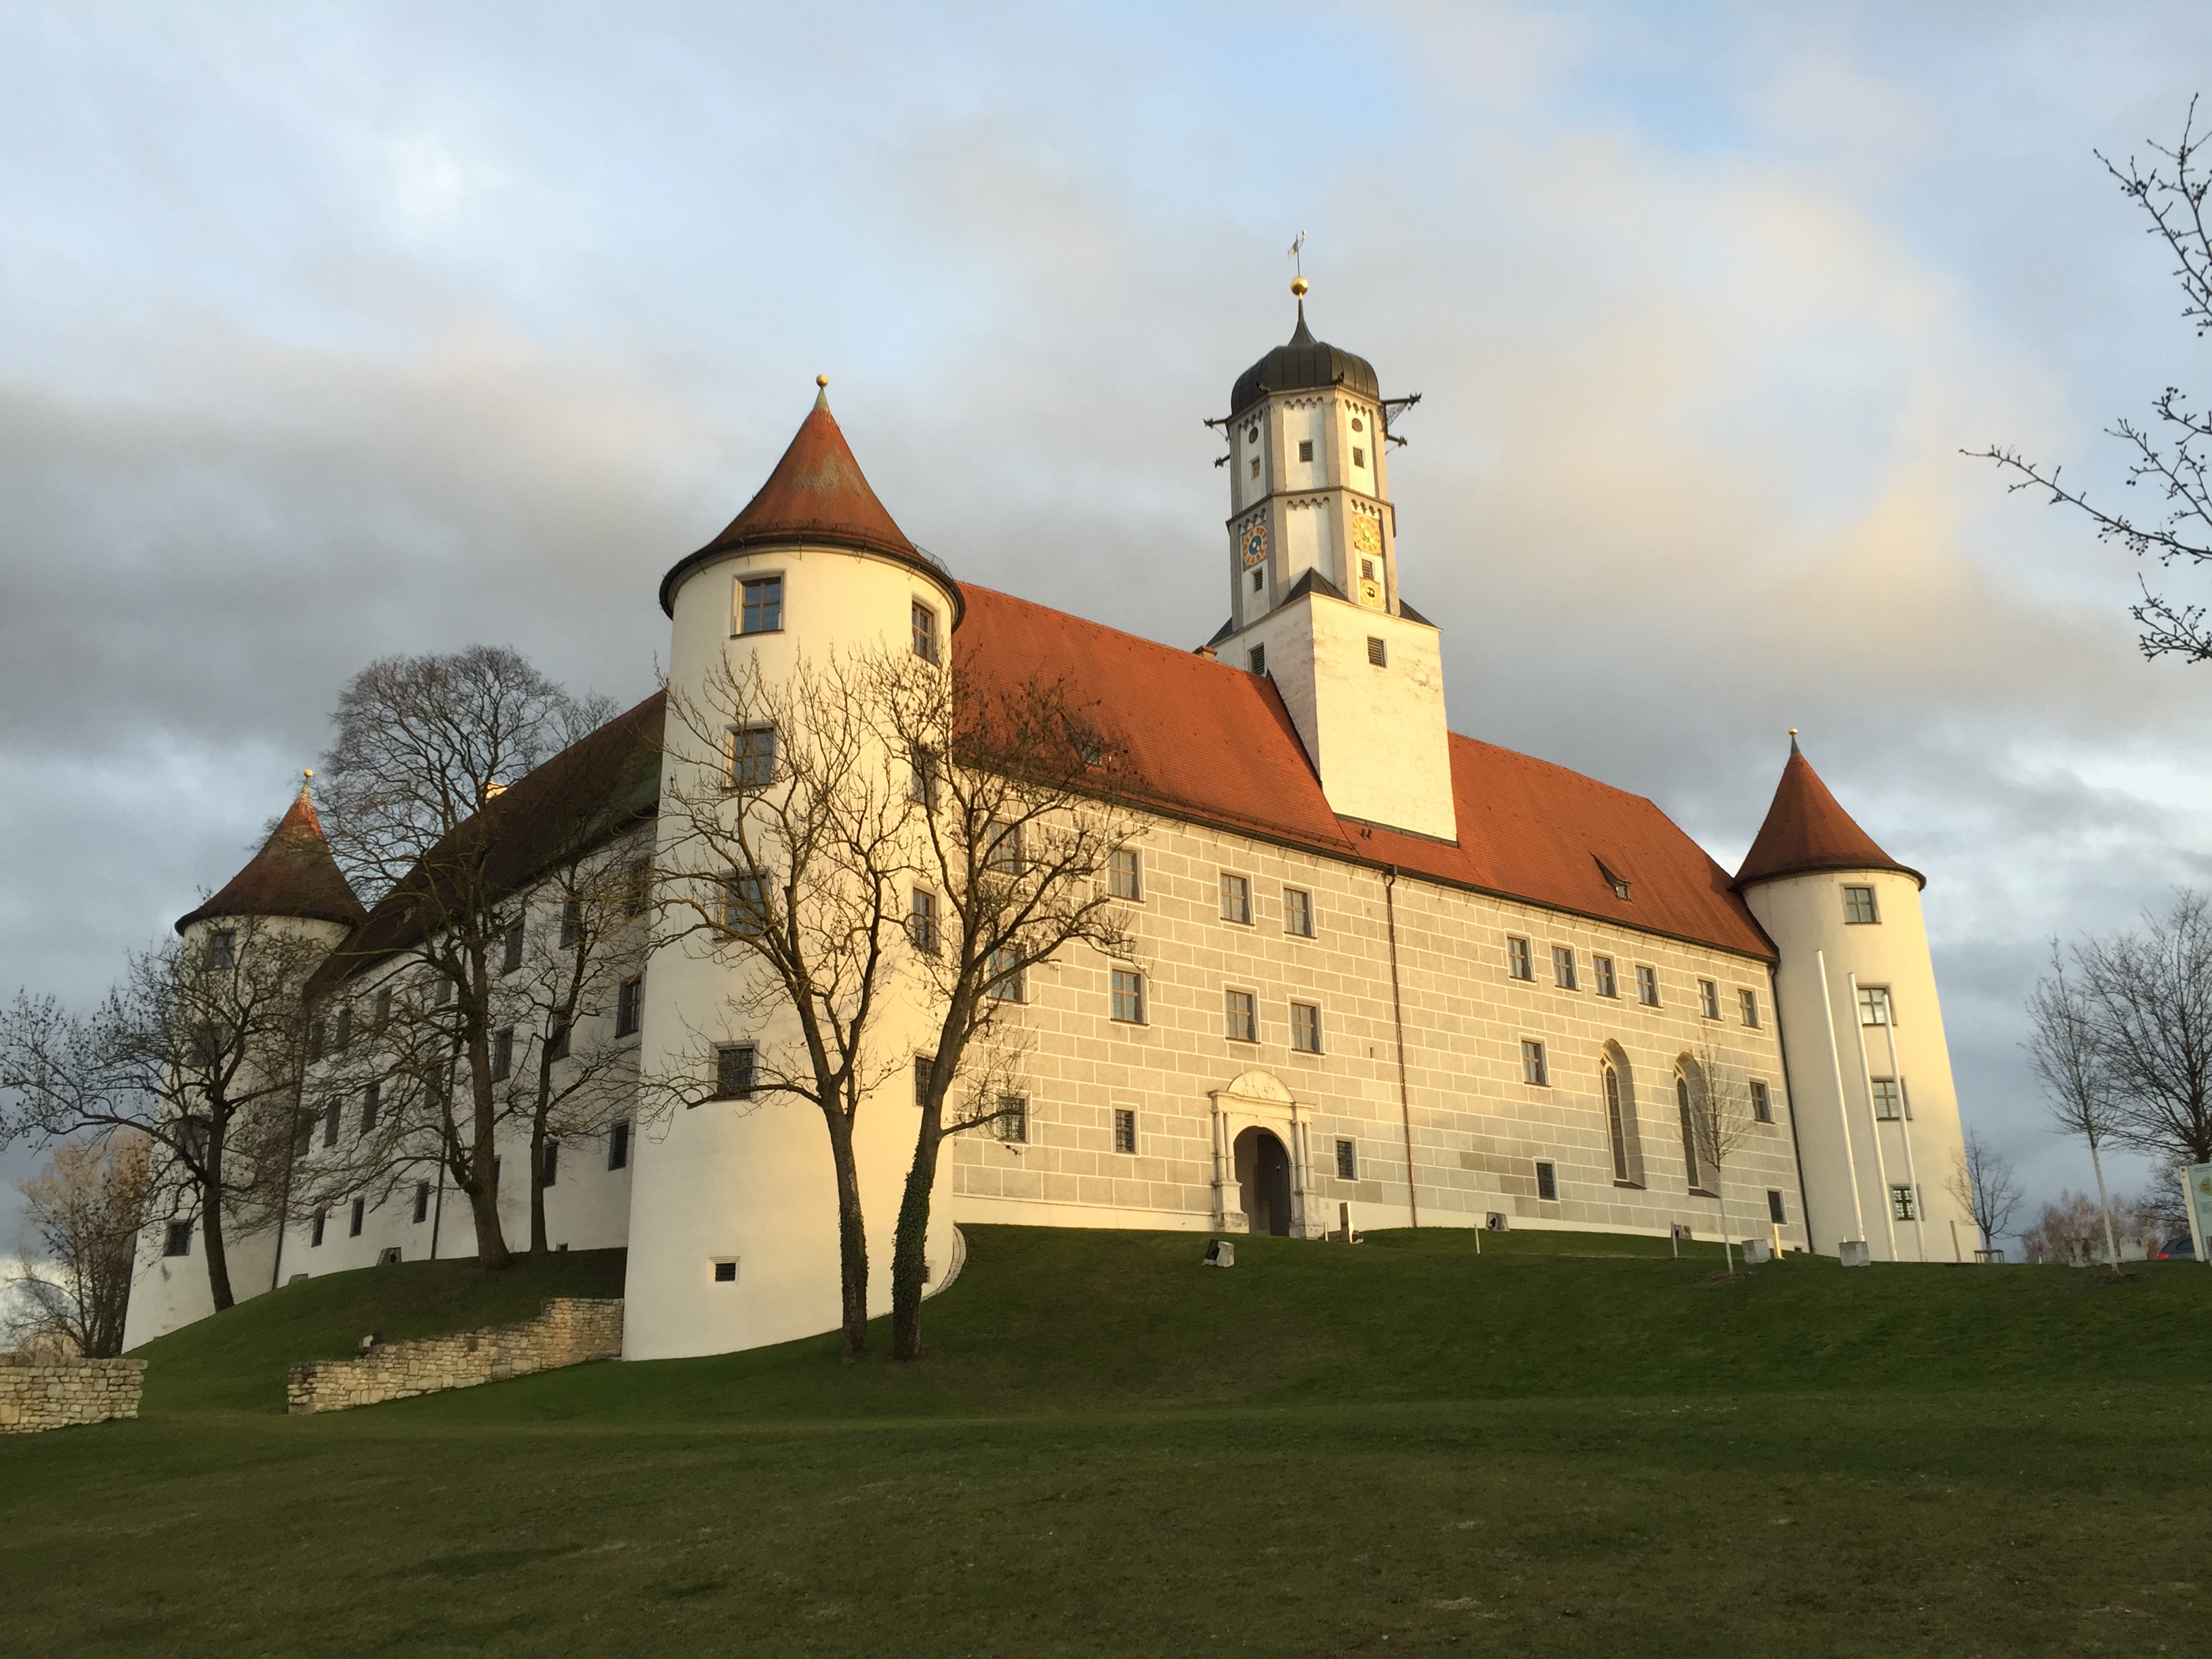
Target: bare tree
point(199, 1048)
point(1017, 840)
point(86, 1208)
point(1723, 1118)
point(2148, 998)
point(426, 747)
point(2063, 1046)
point(2170, 455)
point(1987, 1186)
point(2067, 1228)
point(785, 829)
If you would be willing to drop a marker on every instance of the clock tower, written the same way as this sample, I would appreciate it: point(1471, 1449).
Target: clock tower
point(1313, 584)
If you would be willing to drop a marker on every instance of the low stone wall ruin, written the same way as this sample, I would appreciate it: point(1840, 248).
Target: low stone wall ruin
point(38, 1394)
point(571, 1330)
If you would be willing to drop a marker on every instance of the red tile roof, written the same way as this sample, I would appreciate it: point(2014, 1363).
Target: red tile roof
point(293, 875)
point(1202, 740)
point(1806, 830)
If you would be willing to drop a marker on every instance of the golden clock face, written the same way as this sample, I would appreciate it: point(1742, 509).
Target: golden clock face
point(1370, 595)
point(1366, 536)
point(1255, 545)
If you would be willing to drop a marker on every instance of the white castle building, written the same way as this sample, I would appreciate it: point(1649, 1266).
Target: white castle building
point(1381, 974)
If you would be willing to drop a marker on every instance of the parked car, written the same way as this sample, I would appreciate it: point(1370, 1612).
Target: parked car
point(2178, 1249)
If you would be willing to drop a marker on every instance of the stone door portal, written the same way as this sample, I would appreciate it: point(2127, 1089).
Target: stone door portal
point(1263, 1177)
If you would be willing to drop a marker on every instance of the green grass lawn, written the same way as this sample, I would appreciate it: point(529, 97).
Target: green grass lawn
point(1570, 1444)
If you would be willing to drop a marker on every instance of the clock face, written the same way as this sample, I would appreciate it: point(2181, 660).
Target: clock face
point(1255, 545)
point(1366, 536)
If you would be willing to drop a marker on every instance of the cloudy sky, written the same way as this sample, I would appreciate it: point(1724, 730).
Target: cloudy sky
point(330, 331)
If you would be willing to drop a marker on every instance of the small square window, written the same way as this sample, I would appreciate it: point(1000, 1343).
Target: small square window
point(1647, 986)
point(510, 955)
point(1126, 875)
point(1012, 1123)
point(1257, 658)
point(925, 632)
point(1237, 899)
point(725, 1271)
point(1532, 1067)
point(1243, 1016)
point(629, 999)
point(1255, 466)
point(734, 1064)
point(1305, 1027)
point(1874, 1006)
point(1563, 967)
point(1601, 977)
point(502, 1053)
point(760, 606)
point(360, 1214)
point(1709, 999)
point(422, 1202)
point(1858, 905)
point(1259, 579)
point(752, 756)
point(1125, 1131)
point(1347, 1160)
point(1749, 1002)
point(1762, 1102)
point(1305, 449)
point(178, 1241)
point(222, 956)
point(1520, 962)
point(1298, 911)
point(1128, 998)
point(1900, 1203)
point(1359, 456)
point(1774, 1213)
point(921, 921)
point(1377, 654)
point(1548, 1182)
point(618, 1146)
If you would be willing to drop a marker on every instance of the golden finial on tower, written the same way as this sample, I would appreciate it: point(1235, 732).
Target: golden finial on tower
point(1299, 285)
point(822, 379)
point(1793, 740)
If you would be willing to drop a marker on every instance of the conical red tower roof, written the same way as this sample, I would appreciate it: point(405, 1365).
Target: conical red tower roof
point(1806, 829)
point(293, 875)
point(817, 493)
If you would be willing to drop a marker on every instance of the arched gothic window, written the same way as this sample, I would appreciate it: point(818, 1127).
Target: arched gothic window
point(1615, 1113)
point(1689, 1130)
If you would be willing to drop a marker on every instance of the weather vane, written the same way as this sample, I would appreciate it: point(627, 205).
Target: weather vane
point(1298, 262)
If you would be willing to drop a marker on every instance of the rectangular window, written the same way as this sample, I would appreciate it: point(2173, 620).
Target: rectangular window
point(556, 1046)
point(637, 893)
point(303, 1139)
point(1887, 1103)
point(549, 1170)
point(510, 957)
point(315, 1228)
point(760, 606)
point(1709, 999)
point(441, 992)
point(1874, 1006)
point(223, 956)
point(1255, 466)
point(921, 778)
point(1774, 1213)
point(330, 1113)
point(921, 921)
point(1012, 1123)
point(1602, 979)
point(502, 1053)
point(1858, 905)
point(1298, 911)
point(1563, 967)
point(1900, 1203)
point(1305, 449)
point(1647, 986)
point(630, 996)
point(734, 1071)
point(925, 632)
point(1002, 853)
point(381, 1014)
point(1258, 655)
point(618, 1146)
point(1532, 1067)
point(360, 1212)
point(726, 1273)
point(744, 904)
point(1347, 1160)
point(1128, 997)
point(1548, 1182)
point(572, 922)
point(371, 1097)
point(751, 757)
point(1359, 456)
point(345, 1027)
point(180, 1239)
point(1243, 1016)
point(1305, 1027)
point(1125, 875)
point(1237, 898)
point(1749, 999)
point(923, 1065)
point(498, 1166)
point(1125, 1131)
point(319, 1038)
point(1010, 980)
point(1378, 654)
point(422, 1202)
point(1762, 1102)
point(1519, 961)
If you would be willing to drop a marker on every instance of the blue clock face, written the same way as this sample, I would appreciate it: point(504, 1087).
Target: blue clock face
point(1255, 545)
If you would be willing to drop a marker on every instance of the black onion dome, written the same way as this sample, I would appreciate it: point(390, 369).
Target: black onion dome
point(1305, 361)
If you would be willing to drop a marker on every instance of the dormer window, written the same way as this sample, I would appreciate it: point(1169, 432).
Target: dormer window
point(1619, 884)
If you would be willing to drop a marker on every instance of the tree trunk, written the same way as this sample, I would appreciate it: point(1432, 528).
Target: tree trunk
point(909, 1261)
point(211, 1241)
point(483, 1185)
point(537, 1242)
point(851, 1235)
point(1720, 1191)
point(2103, 1206)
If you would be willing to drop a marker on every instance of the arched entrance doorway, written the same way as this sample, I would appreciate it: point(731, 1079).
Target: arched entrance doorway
point(1263, 1177)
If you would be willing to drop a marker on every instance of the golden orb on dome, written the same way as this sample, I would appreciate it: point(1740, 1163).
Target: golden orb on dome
point(1299, 285)
point(822, 379)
